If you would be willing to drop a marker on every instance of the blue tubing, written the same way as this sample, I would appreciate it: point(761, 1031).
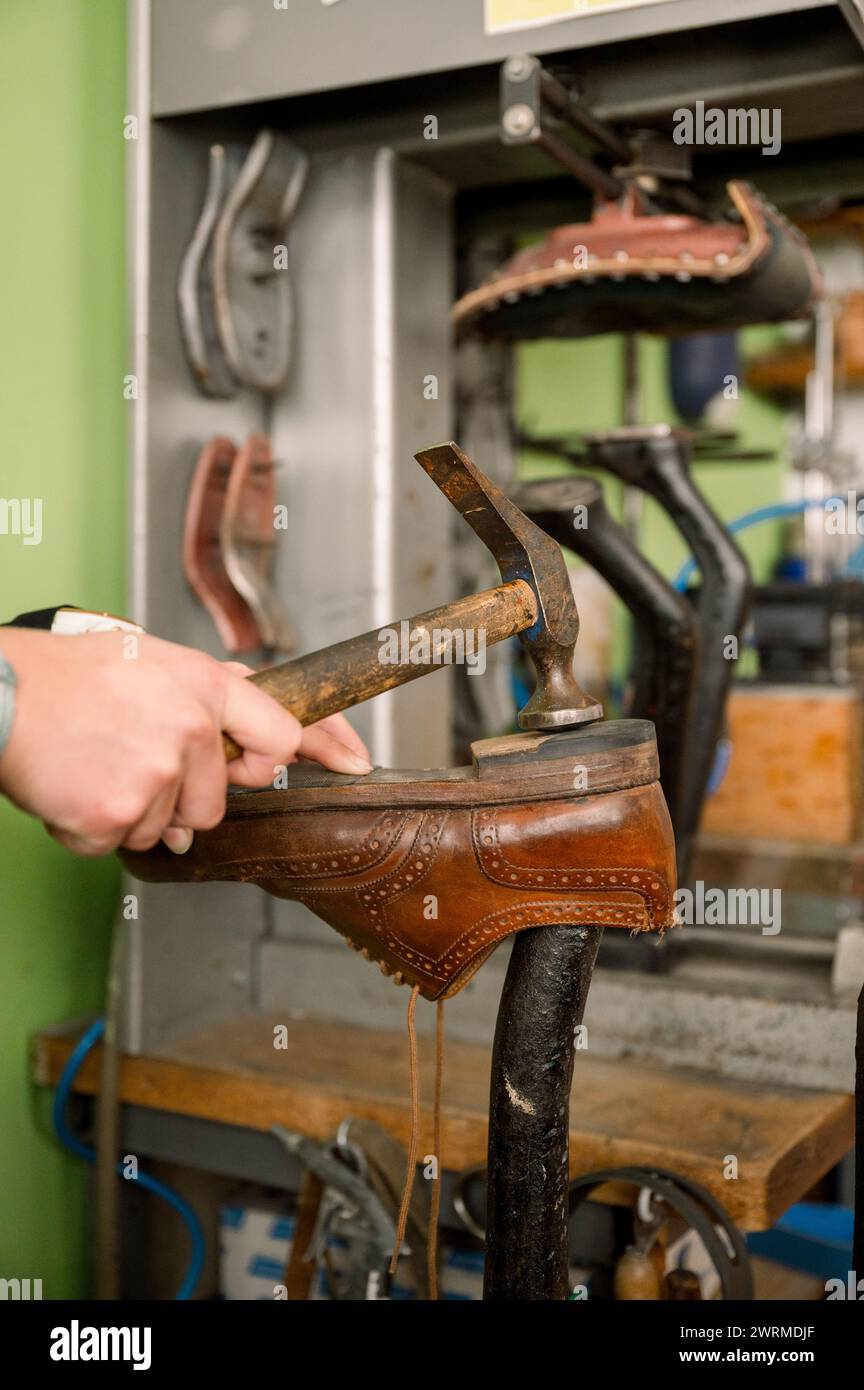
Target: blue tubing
point(772, 512)
point(82, 1048)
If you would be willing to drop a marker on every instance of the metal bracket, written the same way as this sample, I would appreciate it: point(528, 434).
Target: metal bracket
point(247, 541)
point(527, 92)
point(203, 562)
point(195, 290)
point(234, 287)
point(530, 96)
point(252, 290)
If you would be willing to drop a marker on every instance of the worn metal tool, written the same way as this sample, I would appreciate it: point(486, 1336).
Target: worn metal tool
point(234, 290)
point(573, 512)
point(351, 1213)
point(535, 601)
point(253, 298)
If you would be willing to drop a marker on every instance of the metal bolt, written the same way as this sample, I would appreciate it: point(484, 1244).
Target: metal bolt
point(518, 69)
point(518, 120)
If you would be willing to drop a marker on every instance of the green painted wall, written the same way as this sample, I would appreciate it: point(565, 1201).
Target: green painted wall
point(62, 425)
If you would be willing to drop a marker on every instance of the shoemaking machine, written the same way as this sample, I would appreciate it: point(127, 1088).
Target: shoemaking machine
point(329, 214)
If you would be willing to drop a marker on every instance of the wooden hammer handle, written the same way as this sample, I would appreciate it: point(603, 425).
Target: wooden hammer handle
point(337, 677)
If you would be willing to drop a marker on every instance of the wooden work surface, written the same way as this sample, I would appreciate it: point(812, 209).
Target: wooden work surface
point(621, 1113)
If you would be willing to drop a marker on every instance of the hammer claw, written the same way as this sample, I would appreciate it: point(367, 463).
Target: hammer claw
point(522, 551)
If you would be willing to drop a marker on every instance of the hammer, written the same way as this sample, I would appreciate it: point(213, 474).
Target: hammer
point(535, 601)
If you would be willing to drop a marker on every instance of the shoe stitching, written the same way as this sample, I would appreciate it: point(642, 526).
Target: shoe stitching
point(485, 823)
point(283, 866)
point(428, 847)
point(532, 914)
point(397, 869)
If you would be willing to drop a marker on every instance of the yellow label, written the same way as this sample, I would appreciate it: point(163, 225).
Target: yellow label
point(501, 15)
point(516, 14)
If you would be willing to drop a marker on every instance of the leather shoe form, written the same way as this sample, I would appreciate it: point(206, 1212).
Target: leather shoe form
point(425, 872)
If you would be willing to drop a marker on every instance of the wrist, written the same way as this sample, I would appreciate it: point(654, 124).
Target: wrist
point(8, 688)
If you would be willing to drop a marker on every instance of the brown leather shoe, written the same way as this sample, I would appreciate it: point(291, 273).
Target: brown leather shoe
point(425, 872)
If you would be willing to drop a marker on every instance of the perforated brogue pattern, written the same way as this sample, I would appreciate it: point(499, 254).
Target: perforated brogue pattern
point(493, 860)
point(323, 863)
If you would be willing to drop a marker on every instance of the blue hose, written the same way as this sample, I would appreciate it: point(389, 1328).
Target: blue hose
point(61, 1099)
point(771, 512)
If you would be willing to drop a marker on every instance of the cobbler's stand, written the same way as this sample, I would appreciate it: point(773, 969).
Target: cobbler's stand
point(541, 1007)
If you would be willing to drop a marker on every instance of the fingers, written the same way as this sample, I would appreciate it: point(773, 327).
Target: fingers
point(257, 724)
point(255, 769)
point(319, 743)
point(177, 838)
point(134, 820)
point(154, 824)
point(338, 726)
point(204, 786)
point(173, 806)
point(271, 737)
point(158, 815)
point(90, 847)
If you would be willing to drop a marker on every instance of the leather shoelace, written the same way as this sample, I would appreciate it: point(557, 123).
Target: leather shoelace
point(411, 1171)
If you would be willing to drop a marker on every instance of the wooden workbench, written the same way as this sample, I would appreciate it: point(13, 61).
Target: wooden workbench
point(621, 1113)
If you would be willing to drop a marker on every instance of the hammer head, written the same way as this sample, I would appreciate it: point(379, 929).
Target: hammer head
point(522, 551)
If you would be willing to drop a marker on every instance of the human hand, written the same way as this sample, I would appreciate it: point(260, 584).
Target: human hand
point(117, 739)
